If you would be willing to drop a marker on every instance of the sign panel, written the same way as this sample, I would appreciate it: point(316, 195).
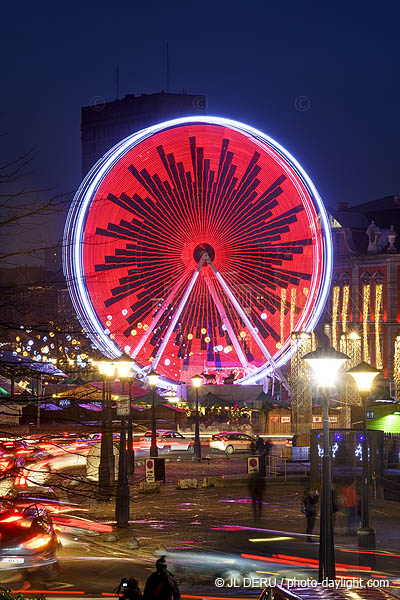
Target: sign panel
point(150, 471)
point(253, 464)
point(123, 407)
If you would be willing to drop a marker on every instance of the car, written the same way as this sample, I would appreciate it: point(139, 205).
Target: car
point(231, 441)
point(168, 441)
point(27, 540)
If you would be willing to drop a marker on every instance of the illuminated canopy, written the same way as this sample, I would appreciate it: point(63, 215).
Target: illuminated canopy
point(195, 245)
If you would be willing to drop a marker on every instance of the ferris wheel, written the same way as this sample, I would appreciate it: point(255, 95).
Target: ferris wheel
point(198, 245)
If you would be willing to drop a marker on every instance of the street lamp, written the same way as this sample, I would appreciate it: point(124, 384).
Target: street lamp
point(197, 380)
point(325, 362)
point(106, 464)
point(153, 378)
point(364, 374)
point(123, 372)
point(121, 369)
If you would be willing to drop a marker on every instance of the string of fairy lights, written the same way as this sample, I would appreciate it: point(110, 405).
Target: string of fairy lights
point(371, 320)
point(71, 352)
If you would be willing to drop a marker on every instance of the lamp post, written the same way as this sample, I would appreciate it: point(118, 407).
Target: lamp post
point(325, 362)
point(106, 464)
point(153, 378)
point(131, 452)
point(197, 380)
point(121, 369)
point(364, 374)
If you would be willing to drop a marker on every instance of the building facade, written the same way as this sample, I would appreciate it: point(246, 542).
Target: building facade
point(103, 125)
point(365, 287)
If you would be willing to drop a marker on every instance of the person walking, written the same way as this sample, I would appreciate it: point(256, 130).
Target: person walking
point(260, 445)
point(161, 585)
point(256, 486)
point(309, 509)
point(350, 505)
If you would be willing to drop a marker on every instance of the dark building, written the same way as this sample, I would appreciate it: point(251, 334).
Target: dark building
point(103, 125)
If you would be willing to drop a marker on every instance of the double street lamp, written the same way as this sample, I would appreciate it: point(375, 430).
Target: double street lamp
point(325, 362)
point(116, 369)
point(363, 375)
point(197, 380)
point(153, 379)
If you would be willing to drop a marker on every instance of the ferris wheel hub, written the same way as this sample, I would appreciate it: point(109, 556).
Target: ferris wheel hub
point(201, 249)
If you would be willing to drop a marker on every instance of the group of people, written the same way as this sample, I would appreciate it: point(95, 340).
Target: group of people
point(160, 585)
point(344, 498)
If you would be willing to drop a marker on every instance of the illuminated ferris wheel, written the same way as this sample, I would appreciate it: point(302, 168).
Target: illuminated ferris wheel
point(198, 245)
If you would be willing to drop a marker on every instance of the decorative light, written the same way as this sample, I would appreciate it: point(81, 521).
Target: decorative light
point(190, 336)
point(345, 306)
point(133, 332)
point(378, 320)
point(263, 316)
point(365, 315)
point(282, 317)
point(242, 334)
point(207, 339)
point(335, 314)
point(203, 330)
point(293, 292)
point(167, 362)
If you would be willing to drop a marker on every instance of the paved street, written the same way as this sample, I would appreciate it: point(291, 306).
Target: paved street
point(209, 533)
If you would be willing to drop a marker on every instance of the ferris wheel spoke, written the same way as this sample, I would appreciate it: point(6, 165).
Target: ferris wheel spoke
point(176, 316)
point(228, 325)
point(158, 316)
point(247, 321)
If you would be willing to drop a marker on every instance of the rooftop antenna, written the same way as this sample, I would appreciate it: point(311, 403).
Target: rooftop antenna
point(167, 66)
point(117, 82)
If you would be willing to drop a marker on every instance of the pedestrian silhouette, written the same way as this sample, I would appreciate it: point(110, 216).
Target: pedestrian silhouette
point(256, 486)
point(309, 509)
point(161, 584)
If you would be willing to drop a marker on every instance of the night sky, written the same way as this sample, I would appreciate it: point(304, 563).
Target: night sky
point(321, 79)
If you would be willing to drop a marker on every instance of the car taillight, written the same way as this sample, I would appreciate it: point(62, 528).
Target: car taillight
point(37, 542)
point(4, 464)
point(11, 519)
point(224, 439)
point(20, 480)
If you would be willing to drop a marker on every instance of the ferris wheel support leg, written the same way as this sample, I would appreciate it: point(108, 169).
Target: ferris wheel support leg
point(246, 320)
point(157, 317)
point(226, 322)
point(174, 321)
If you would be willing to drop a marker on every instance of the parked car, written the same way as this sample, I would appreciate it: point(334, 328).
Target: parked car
point(168, 441)
point(231, 441)
point(27, 540)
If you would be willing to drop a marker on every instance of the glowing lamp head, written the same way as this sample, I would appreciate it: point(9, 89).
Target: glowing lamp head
point(363, 374)
point(325, 362)
point(197, 380)
point(120, 368)
point(153, 378)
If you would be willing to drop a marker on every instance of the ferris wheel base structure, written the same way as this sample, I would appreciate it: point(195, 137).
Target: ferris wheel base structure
point(198, 245)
